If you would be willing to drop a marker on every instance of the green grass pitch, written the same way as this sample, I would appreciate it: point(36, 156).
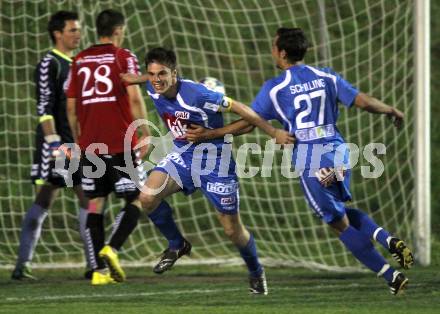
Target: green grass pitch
point(216, 289)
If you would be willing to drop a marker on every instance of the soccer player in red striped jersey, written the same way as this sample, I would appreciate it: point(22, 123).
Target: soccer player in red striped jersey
point(100, 109)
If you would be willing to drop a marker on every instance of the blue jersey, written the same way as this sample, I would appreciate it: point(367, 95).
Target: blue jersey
point(196, 104)
point(304, 100)
point(193, 104)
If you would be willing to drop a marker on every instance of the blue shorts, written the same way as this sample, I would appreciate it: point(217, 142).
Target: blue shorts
point(219, 185)
point(328, 203)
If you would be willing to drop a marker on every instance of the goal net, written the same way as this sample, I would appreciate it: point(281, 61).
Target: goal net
point(368, 41)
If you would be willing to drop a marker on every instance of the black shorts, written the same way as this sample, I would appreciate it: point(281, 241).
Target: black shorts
point(43, 167)
point(124, 185)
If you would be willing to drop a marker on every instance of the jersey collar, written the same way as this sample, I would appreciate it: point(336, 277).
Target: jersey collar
point(296, 66)
point(62, 55)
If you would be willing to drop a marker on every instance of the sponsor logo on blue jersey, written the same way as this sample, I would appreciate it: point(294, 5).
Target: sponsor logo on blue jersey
point(222, 188)
point(315, 133)
point(193, 104)
point(177, 125)
point(227, 200)
point(176, 157)
point(182, 115)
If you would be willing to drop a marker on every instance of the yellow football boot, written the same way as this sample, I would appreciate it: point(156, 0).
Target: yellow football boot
point(99, 278)
point(111, 258)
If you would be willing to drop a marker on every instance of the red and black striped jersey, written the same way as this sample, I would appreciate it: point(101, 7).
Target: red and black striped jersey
point(102, 104)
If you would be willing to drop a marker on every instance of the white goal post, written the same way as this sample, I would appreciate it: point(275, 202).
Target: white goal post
point(422, 78)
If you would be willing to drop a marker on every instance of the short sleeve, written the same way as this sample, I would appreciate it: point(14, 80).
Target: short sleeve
point(262, 103)
point(211, 100)
point(345, 92)
point(128, 62)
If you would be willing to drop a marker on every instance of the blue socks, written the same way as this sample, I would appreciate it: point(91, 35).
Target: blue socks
point(162, 217)
point(367, 226)
point(249, 255)
point(361, 247)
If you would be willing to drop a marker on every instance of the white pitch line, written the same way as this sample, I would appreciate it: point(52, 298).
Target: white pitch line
point(195, 291)
point(119, 295)
point(141, 294)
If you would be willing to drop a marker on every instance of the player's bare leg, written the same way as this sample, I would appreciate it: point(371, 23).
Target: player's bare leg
point(159, 185)
point(234, 229)
point(244, 241)
point(31, 229)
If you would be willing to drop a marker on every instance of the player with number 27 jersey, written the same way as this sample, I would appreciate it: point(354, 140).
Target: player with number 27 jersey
point(100, 95)
point(305, 100)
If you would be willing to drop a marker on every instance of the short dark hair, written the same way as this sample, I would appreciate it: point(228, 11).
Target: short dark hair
point(107, 21)
point(57, 22)
point(163, 56)
point(293, 41)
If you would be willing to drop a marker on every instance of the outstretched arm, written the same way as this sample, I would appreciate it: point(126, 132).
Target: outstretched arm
point(131, 78)
point(281, 136)
point(249, 120)
point(373, 105)
point(138, 110)
point(197, 133)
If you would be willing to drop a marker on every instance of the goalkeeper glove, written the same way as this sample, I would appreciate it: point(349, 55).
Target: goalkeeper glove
point(54, 141)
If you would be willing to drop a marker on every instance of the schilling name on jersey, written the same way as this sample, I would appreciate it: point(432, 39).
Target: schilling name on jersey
point(307, 86)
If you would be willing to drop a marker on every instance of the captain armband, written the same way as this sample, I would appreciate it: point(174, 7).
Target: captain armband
point(226, 104)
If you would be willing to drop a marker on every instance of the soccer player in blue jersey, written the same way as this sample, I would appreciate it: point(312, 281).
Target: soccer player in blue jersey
point(304, 99)
point(207, 166)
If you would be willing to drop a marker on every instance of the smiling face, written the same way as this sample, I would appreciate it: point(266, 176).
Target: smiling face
point(162, 78)
point(69, 38)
